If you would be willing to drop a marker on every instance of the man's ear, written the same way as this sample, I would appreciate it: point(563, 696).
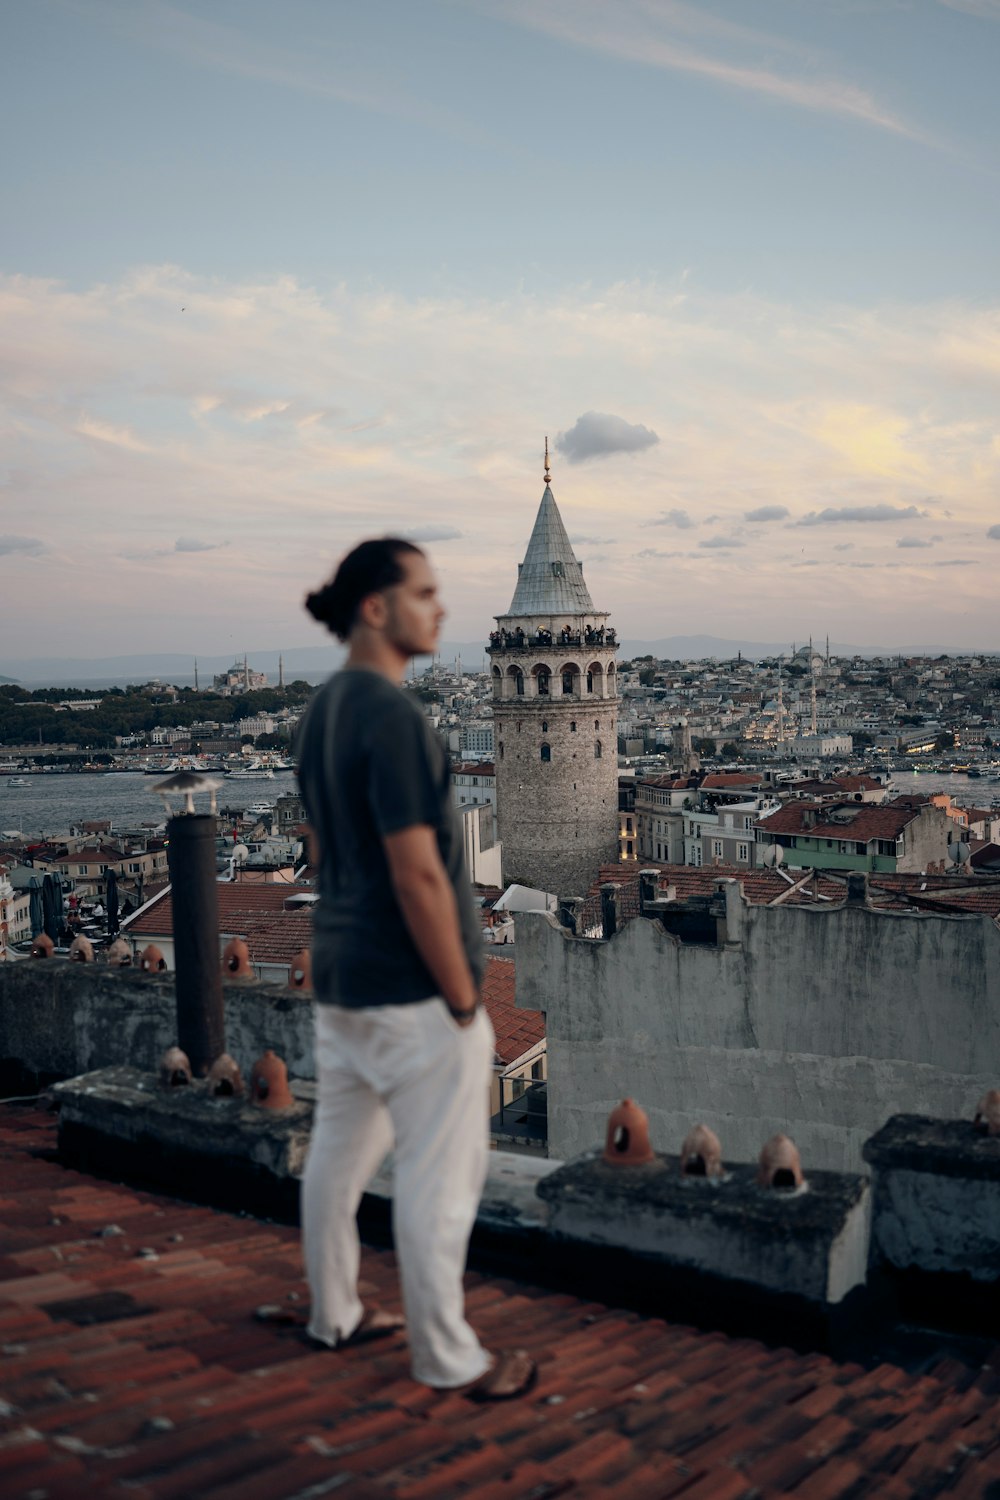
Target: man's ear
point(372, 611)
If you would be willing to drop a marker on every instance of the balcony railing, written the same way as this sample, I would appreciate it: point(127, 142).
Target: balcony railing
point(545, 640)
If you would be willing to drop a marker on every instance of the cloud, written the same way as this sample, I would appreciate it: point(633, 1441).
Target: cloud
point(587, 541)
point(722, 541)
point(678, 518)
point(912, 541)
point(844, 547)
point(767, 513)
point(838, 515)
point(994, 533)
point(955, 562)
point(597, 434)
point(729, 55)
point(194, 544)
point(433, 533)
point(31, 545)
point(657, 552)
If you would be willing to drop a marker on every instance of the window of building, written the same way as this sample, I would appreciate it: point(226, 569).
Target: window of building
point(546, 752)
point(545, 726)
point(597, 723)
point(748, 822)
point(597, 750)
point(501, 749)
point(519, 684)
point(590, 682)
point(542, 678)
point(716, 846)
point(629, 846)
point(846, 847)
point(567, 682)
point(628, 825)
point(743, 852)
point(572, 726)
point(537, 1069)
point(659, 851)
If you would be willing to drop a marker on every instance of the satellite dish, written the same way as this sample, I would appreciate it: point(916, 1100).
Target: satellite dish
point(772, 856)
point(960, 852)
point(240, 853)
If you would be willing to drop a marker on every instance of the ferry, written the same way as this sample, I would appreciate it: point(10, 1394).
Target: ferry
point(18, 781)
point(255, 770)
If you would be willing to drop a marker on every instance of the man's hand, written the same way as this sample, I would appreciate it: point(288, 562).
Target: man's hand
point(427, 901)
point(462, 1016)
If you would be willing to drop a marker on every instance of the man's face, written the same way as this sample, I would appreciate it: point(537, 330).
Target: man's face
point(414, 611)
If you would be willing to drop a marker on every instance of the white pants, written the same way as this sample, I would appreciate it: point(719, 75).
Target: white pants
point(409, 1076)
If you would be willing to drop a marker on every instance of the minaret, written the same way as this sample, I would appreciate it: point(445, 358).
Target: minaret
point(781, 707)
point(281, 671)
point(196, 674)
point(555, 719)
point(246, 673)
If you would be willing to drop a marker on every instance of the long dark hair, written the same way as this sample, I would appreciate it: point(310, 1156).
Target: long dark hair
point(372, 566)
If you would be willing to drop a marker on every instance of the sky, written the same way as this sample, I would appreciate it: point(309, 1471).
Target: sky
point(274, 277)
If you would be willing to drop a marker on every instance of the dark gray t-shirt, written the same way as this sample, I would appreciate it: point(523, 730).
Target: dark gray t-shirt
point(369, 765)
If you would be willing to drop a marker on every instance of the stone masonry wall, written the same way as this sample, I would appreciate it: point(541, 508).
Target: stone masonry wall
point(819, 1023)
point(59, 1019)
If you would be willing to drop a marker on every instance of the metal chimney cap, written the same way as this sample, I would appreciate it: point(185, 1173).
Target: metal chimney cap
point(188, 781)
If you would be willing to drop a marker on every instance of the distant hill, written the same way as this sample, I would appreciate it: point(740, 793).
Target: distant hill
point(313, 663)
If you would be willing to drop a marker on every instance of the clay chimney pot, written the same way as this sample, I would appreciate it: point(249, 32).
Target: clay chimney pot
point(225, 1080)
point(779, 1166)
point(269, 1083)
point(119, 954)
point(236, 960)
point(300, 974)
point(81, 950)
point(175, 1069)
point(988, 1113)
point(701, 1153)
point(151, 960)
point(627, 1143)
point(42, 946)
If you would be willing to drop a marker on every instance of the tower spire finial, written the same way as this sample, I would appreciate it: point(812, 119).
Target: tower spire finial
point(547, 476)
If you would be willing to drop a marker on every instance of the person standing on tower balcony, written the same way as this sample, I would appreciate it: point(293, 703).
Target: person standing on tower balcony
point(404, 1048)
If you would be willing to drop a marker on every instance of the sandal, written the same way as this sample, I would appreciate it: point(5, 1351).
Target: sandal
point(375, 1323)
point(511, 1374)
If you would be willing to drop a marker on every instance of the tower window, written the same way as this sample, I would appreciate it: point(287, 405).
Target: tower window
point(572, 726)
point(597, 749)
point(545, 726)
point(501, 749)
point(542, 676)
point(597, 723)
point(546, 752)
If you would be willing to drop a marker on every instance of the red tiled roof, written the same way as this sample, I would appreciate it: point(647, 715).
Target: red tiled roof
point(475, 768)
point(239, 906)
point(719, 779)
point(145, 1375)
point(517, 1031)
point(867, 821)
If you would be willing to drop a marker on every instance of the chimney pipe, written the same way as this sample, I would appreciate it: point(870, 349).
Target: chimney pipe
point(195, 898)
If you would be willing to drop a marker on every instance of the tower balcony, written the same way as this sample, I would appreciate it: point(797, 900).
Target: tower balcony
point(520, 640)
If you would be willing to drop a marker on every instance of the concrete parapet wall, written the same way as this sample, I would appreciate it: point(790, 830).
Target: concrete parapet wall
point(58, 1020)
point(819, 1023)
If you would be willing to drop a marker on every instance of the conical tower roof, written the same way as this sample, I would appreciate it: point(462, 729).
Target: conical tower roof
point(550, 580)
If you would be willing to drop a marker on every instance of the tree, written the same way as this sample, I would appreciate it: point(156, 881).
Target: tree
point(945, 740)
point(730, 750)
point(647, 677)
point(704, 747)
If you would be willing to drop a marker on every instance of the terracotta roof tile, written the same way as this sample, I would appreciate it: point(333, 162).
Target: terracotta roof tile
point(182, 1393)
point(517, 1031)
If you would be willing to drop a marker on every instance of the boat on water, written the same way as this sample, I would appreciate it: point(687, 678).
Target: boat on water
point(18, 781)
point(260, 809)
point(255, 770)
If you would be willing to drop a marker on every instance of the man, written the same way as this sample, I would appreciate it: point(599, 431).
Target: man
point(403, 1046)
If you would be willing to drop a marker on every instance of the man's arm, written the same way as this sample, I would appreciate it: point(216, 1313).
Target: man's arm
point(427, 900)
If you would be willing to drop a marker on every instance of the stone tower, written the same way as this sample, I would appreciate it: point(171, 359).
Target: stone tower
point(555, 728)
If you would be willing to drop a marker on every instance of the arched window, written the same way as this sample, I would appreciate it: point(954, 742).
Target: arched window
point(517, 676)
point(597, 750)
point(572, 726)
point(546, 752)
point(595, 677)
point(545, 726)
point(501, 749)
point(497, 682)
point(597, 723)
point(542, 679)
